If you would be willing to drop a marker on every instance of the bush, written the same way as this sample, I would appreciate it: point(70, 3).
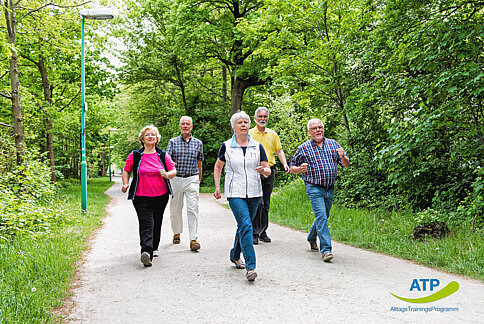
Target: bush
point(26, 196)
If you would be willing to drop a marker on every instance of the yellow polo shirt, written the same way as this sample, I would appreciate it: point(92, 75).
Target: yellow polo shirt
point(269, 140)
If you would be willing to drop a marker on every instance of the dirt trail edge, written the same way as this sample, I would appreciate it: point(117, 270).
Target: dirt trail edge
point(294, 284)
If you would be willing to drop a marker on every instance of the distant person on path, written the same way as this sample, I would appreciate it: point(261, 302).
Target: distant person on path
point(245, 160)
point(152, 168)
point(317, 160)
point(272, 144)
point(187, 153)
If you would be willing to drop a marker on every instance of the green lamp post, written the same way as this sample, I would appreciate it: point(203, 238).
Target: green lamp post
point(109, 149)
point(94, 14)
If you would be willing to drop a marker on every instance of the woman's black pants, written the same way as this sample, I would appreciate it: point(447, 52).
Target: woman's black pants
point(150, 216)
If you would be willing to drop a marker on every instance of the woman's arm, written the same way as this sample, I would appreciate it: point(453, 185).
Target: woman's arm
point(217, 172)
point(264, 169)
point(168, 174)
point(125, 177)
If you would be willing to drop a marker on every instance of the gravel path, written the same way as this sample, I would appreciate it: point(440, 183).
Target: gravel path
point(294, 284)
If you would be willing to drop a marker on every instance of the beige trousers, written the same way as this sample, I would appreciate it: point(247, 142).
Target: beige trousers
point(188, 188)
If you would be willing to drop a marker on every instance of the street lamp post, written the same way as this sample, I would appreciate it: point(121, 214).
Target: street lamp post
point(94, 14)
point(109, 149)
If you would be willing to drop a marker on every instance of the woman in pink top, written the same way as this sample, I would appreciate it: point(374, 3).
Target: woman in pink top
point(152, 168)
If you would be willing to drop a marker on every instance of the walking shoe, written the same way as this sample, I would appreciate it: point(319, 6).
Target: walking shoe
point(255, 239)
point(194, 245)
point(155, 253)
point(176, 239)
point(264, 238)
point(327, 257)
point(251, 275)
point(145, 259)
point(314, 246)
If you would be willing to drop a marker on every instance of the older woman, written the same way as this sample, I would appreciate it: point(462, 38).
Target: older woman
point(244, 160)
point(152, 168)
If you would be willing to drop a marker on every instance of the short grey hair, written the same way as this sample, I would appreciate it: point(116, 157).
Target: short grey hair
point(314, 120)
point(261, 109)
point(186, 117)
point(235, 117)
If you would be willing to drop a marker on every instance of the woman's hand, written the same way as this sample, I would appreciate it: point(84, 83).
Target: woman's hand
point(163, 173)
point(124, 188)
point(217, 194)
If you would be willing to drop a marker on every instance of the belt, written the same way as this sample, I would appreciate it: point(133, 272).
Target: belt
point(321, 186)
point(185, 175)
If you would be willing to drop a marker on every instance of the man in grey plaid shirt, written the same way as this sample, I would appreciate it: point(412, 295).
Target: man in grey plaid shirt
point(187, 152)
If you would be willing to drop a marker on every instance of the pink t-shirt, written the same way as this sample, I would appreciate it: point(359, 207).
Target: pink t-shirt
point(150, 181)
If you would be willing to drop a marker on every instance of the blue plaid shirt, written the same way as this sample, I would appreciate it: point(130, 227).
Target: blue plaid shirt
point(322, 161)
point(185, 154)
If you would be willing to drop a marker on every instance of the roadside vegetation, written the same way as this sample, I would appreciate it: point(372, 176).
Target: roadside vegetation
point(42, 240)
point(460, 252)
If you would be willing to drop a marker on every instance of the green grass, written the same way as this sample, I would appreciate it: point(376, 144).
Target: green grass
point(35, 273)
point(460, 252)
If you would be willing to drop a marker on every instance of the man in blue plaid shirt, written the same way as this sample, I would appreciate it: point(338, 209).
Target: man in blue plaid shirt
point(317, 160)
point(187, 152)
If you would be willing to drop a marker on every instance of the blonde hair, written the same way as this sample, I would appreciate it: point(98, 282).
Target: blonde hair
point(142, 132)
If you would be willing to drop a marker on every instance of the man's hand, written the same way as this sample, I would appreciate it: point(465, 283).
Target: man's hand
point(341, 152)
point(287, 168)
point(303, 168)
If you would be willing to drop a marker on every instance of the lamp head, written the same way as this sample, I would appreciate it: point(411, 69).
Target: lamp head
point(97, 13)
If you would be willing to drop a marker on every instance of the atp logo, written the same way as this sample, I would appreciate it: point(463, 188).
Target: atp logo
point(429, 285)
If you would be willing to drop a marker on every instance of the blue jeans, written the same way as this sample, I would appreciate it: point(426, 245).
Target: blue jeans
point(244, 210)
point(321, 200)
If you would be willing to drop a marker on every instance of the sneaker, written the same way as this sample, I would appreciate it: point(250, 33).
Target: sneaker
point(176, 239)
point(155, 253)
point(327, 257)
point(255, 239)
point(194, 245)
point(314, 246)
point(251, 275)
point(145, 259)
point(264, 238)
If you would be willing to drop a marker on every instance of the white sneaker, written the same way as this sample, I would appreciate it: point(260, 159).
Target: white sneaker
point(156, 253)
point(145, 259)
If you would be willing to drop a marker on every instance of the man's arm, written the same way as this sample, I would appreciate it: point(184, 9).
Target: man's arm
point(282, 158)
point(345, 161)
point(199, 170)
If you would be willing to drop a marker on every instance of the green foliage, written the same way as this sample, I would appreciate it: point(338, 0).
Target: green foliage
point(472, 207)
point(26, 196)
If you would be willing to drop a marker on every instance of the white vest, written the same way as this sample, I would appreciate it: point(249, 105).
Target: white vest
point(241, 178)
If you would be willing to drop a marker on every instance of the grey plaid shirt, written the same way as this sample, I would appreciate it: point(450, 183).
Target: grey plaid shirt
point(185, 154)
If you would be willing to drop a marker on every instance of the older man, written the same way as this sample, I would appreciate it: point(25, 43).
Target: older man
point(317, 160)
point(272, 144)
point(187, 152)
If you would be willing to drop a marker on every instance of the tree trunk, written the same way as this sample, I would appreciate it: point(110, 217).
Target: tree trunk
point(237, 94)
point(224, 83)
point(11, 24)
point(103, 161)
point(49, 121)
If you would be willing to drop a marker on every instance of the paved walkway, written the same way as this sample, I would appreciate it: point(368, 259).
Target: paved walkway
point(294, 284)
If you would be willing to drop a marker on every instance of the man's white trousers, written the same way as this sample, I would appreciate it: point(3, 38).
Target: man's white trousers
point(188, 188)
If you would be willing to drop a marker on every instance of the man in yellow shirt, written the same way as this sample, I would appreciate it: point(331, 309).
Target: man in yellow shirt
point(272, 144)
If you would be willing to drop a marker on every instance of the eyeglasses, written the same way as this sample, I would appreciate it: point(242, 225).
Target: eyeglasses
point(262, 116)
point(150, 135)
point(316, 128)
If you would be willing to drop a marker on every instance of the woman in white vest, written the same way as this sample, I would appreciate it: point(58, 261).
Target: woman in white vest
point(244, 160)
